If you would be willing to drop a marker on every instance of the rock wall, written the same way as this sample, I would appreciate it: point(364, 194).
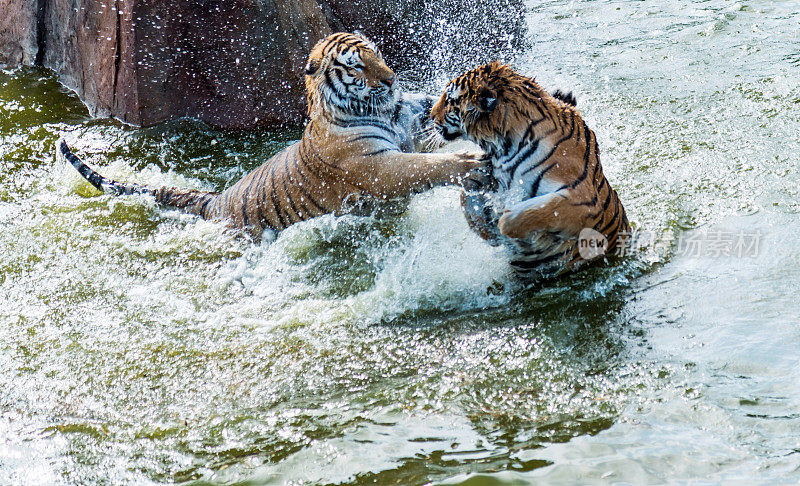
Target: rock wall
point(18, 29)
point(231, 63)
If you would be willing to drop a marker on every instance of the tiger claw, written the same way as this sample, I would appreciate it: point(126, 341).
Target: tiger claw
point(476, 157)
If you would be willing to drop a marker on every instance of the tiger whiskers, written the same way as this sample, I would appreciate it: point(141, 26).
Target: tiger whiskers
point(431, 138)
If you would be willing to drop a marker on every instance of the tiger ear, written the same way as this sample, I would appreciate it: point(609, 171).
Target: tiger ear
point(312, 66)
point(487, 100)
point(362, 35)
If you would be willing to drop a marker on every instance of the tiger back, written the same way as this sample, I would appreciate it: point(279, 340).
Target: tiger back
point(552, 198)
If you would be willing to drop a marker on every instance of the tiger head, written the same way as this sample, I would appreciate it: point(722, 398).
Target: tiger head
point(346, 73)
point(489, 105)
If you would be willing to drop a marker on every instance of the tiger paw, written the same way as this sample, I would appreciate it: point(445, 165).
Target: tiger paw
point(470, 160)
point(479, 180)
point(479, 172)
point(509, 225)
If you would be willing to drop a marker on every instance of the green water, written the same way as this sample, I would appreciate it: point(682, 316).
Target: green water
point(143, 345)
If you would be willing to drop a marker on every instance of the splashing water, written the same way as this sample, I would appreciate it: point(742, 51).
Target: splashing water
point(140, 345)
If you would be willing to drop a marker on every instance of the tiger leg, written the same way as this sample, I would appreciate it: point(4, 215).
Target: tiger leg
point(554, 211)
point(396, 174)
point(481, 216)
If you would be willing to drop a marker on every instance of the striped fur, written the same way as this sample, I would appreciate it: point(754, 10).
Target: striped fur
point(360, 146)
point(550, 184)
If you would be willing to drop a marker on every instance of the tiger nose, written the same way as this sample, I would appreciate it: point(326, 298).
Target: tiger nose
point(388, 81)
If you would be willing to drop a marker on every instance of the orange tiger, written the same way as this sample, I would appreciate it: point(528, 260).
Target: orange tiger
point(551, 195)
point(360, 145)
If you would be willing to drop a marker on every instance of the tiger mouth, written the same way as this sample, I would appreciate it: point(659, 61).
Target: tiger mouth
point(379, 97)
point(448, 135)
point(382, 95)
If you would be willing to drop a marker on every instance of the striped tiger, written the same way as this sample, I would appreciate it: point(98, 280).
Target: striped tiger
point(361, 145)
point(551, 204)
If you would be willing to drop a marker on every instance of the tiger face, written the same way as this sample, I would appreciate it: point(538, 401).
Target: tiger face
point(480, 105)
point(346, 72)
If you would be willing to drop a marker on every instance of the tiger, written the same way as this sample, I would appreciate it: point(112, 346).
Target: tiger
point(549, 202)
point(362, 145)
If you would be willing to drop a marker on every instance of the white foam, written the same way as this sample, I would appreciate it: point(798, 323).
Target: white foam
point(434, 262)
point(444, 265)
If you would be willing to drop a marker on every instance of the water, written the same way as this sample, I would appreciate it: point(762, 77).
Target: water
point(142, 345)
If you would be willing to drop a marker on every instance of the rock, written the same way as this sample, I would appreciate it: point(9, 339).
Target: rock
point(18, 30)
point(231, 63)
point(81, 45)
